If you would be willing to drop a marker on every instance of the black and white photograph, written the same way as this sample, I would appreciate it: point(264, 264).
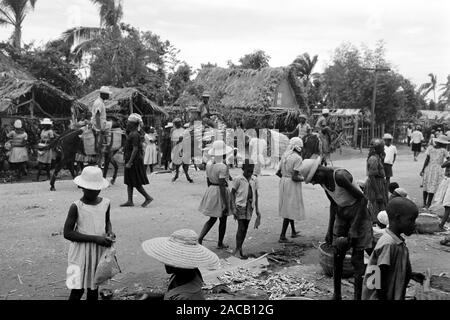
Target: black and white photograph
point(244, 153)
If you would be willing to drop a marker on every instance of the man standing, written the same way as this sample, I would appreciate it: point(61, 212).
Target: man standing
point(302, 129)
point(350, 224)
point(390, 152)
point(416, 139)
point(409, 131)
point(98, 120)
point(324, 129)
point(178, 159)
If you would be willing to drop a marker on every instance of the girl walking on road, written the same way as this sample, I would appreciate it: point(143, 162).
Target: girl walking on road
point(19, 153)
point(134, 175)
point(45, 156)
point(432, 171)
point(291, 205)
point(88, 227)
point(216, 201)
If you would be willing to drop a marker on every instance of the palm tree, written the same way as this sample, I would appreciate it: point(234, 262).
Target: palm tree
point(426, 88)
point(303, 67)
point(14, 12)
point(81, 39)
point(445, 96)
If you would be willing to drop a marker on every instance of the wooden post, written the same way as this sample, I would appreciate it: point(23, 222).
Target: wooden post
point(355, 131)
point(131, 104)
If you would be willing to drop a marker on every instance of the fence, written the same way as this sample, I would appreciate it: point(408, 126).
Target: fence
point(364, 136)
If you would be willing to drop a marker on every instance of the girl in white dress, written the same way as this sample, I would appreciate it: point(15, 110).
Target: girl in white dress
point(88, 227)
point(151, 153)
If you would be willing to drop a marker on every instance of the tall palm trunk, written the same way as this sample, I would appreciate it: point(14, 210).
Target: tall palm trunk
point(17, 36)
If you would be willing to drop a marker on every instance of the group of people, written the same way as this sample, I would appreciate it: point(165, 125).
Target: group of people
point(17, 147)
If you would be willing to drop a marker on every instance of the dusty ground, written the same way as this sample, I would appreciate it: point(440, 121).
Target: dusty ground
point(33, 252)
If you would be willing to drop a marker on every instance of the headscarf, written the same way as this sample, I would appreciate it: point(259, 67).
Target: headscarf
point(136, 118)
point(296, 144)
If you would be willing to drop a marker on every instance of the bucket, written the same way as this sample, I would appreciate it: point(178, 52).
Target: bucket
point(326, 261)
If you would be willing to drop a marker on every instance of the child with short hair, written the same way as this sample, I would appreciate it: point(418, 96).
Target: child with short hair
point(389, 270)
point(245, 195)
point(88, 227)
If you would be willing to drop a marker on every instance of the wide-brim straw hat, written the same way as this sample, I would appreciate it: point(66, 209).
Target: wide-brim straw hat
point(47, 121)
point(303, 116)
point(443, 139)
point(387, 136)
point(91, 178)
point(219, 148)
point(18, 124)
point(105, 90)
point(134, 117)
point(309, 167)
point(181, 250)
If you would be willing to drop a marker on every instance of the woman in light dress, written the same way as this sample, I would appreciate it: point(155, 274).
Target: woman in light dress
point(291, 205)
point(151, 153)
point(216, 201)
point(45, 155)
point(432, 171)
point(19, 153)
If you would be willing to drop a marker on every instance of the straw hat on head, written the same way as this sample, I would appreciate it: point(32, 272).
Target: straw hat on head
point(219, 148)
point(206, 94)
point(105, 90)
point(176, 120)
point(47, 121)
point(169, 125)
point(388, 136)
point(187, 125)
point(302, 116)
point(443, 139)
point(18, 124)
point(181, 250)
point(309, 167)
point(91, 178)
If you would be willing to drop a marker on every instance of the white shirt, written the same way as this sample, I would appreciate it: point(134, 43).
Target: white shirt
point(99, 107)
point(417, 137)
point(390, 152)
point(408, 132)
point(303, 129)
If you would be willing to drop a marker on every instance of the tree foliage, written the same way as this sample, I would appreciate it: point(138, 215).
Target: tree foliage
point(256, 60)
point(14, 12)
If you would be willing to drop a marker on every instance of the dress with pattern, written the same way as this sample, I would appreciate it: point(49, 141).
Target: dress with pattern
point(434, 174)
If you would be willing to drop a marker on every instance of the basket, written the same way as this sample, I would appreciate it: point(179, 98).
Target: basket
point(427, 224)
point(326, 261)
point(89, 143)
point(116, 136)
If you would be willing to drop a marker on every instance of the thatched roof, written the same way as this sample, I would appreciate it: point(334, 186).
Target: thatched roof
point(345, 112)
point(120, 102)
point(243, 89)
point(17, 87)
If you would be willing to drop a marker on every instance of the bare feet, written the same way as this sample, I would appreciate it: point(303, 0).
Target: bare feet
point(127, 204)
point(284, 240)
point(222, 246)
point(147, 202)
point(295, 235)
point(240, 255)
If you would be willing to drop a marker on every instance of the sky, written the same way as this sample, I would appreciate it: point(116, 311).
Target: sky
point(416, 32)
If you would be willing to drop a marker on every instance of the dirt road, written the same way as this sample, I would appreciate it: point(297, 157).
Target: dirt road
point(33, 252)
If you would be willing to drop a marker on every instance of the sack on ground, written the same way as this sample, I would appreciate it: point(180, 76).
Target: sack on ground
point(107, 267)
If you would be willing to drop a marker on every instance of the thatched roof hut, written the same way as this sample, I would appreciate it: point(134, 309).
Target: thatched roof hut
point(125, 101)
point(237, 93)
point(21, 94)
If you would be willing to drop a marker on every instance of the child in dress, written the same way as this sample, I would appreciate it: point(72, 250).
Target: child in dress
point(389, 270)
point(151, 152)
point(245, 195)
point(89, 229)
point(442, 196)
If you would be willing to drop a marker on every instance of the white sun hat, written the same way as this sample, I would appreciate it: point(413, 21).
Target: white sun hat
point(18, 124)
point(91, 178)
point(47, 121)
point(169, 125)
point(387, 136)
point(309, 167)
point(187, 125)
point(106, 90)
point(325, 111)
point(181, 250)
point(219, 148)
